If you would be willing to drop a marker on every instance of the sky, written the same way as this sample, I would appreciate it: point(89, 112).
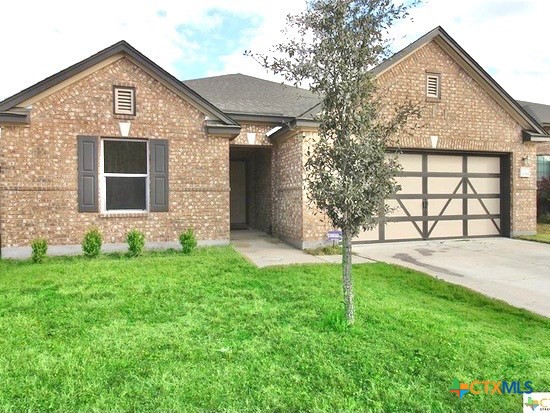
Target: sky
point(199, 38)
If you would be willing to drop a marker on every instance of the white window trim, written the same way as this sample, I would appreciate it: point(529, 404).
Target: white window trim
point(103, 180)
point(438, 84)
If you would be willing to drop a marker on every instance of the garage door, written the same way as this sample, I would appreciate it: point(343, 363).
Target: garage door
point(446, 196)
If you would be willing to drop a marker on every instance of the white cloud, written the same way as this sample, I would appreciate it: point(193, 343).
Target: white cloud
point(42, 37)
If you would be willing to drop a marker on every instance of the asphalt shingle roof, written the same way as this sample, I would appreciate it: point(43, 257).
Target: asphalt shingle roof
point(242, 94)
point(539, 111)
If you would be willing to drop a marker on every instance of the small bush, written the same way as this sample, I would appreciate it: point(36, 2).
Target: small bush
point(188, 241)
point(91, 245)
point(39, 249)
point(136, 243)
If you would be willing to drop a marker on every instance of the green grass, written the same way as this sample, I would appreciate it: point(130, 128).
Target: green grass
point(209, 331)
point(543, 234)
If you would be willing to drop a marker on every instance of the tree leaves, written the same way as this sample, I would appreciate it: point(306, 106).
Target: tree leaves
point(349, 171)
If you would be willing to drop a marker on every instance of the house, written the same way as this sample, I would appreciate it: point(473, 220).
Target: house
point(118, 143)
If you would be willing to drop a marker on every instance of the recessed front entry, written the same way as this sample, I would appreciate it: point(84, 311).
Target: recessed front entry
point(446, 196)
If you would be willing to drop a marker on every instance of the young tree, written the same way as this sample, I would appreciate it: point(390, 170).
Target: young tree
point(349, 173)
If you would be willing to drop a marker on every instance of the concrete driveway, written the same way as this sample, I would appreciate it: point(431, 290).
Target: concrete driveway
point(515, 271)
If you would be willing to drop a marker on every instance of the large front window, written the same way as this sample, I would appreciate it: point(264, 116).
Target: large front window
point(124, 175)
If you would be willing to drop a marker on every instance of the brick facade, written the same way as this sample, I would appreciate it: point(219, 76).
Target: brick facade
point(287, 216)
point(39, 164)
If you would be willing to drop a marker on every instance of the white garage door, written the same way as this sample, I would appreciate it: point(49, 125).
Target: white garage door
point(445, 196)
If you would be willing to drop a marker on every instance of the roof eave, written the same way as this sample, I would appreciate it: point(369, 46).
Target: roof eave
point(305, 123)
point(228, 131)
point(535, 137)
point(10, 118)
point(297, 124)
point(258, 117)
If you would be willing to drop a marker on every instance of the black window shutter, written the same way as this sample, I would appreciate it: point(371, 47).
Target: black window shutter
point(158, 152)
point(87, 174)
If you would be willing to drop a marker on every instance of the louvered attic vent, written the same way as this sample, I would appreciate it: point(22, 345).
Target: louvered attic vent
point(124, 100)
point(432, 86)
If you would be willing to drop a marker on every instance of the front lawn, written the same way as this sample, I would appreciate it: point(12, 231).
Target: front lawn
point(543, 234)
point(209, 331)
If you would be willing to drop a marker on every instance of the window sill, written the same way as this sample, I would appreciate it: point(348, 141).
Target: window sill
point(134, 214)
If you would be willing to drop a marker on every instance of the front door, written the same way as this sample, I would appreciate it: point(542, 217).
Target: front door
point(237, 182)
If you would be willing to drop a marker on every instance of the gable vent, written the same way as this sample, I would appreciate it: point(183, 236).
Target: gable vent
point(432, 86)
point(124, 101)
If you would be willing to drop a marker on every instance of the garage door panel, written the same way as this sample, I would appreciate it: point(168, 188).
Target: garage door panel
point(438, 185)
point(484, 164)
point(484, 185)
point(444, 163)
point(409, 184)
point(413, 207)
point(479, 227)
point(402, 230)
point(444, 207)
point(411, 162)
point(442, 229)
point(475, 206)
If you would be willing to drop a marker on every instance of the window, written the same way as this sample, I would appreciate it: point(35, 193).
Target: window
point(124, 175)
point(432, 86)
point(543, 166)
point(124, 100)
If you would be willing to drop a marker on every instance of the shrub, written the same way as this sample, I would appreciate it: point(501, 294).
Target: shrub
point(91, 244)
point(39, 249)
point(188, 241)
point(136, 243)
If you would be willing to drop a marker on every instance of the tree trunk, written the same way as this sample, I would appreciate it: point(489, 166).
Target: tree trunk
point(347, 283)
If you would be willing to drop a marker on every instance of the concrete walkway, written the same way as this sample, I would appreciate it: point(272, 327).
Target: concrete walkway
point(264, 251)
point(515, 271)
